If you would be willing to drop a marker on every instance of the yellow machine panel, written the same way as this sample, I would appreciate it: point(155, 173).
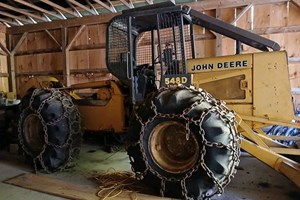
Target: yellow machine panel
point(106, 112)
point(252, 84)
point(272, 97)
point(201, 65)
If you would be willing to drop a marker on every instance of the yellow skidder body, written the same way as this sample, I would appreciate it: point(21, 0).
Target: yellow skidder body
point(251, 84)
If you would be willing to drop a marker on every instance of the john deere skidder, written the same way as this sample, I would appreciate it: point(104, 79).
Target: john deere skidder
point(181, 140)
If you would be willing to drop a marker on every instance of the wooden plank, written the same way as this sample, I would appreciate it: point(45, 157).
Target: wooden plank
point(69, 190)
point(292, 44)
point(3, 74)
point(296, 3)
point(54, 186)
point(60, 72)
point(279, 14)
point(78, 33)
point(4, 84)
point(262, 16)
point(275, 30)
point(219, 46)
point(66, 56)
point(214, 4)
point(294, 59)
point(93, 34)
point(241, 14)
point(2, 28)
point(97, 58)
point(294, 15)
point(79, 59)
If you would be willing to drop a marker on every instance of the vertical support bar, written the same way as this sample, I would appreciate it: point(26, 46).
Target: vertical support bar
point(182, 39)
point(238, 47)
point(159, 48)
point(153, 47)
point(219, 45)
point(192, 40)
point(11, 66)
point(66, 57)
point(134, 91)
point(66, 52)
point(252, 18)
point(12, 74)
point(7, 54)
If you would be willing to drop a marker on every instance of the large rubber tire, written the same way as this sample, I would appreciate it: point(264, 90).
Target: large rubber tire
point(176, 162)
point(49, 129)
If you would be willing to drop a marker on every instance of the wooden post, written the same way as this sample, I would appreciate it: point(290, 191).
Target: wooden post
point(66, 51)
point(66, 57)
point(219, 46)
point(11, 62)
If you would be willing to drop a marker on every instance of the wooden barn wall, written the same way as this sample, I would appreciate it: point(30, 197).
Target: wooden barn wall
point(4, 87)
point(41, 52)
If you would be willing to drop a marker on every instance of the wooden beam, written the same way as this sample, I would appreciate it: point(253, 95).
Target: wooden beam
point(57, 24)
point(3, 28)
point(21, 40)
point(219, 44)
point(244, 11)
point(21, 11)
point(5, 50)
point(215, 4)
point(11, 66)
point(15, 17)
point(60, 72)
point(275, 30)
point(58, 7)
point(53, 38)
point(9, 22)
point(150, 2)
point(38, 51)
point(111, 8)
point(88, 47)
point(82, 27)
point(30, 5)
point(294, 59)
point(66, 57)
point(4, 74)
point(12, 74)
point(296, 3)
point(127, 3)
point(87, 20)
point(66, 52)
point(92, 7)
point(81, 6)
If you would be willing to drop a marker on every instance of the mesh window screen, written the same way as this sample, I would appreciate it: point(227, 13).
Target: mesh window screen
point(118, 40)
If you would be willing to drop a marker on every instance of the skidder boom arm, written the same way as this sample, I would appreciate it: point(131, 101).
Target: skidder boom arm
point(265, 149)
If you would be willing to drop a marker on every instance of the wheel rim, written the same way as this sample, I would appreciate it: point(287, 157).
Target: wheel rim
point(170, 149)
point(33, 130)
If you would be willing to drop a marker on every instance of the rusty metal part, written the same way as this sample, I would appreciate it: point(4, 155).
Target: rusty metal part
point(33, 132)
point(171, 150)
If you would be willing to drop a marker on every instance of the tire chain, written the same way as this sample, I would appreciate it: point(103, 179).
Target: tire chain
point(226, 115)
point(55, 94)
